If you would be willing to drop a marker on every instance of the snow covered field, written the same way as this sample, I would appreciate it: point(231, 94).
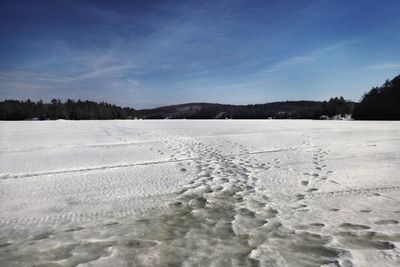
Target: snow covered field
point(199, 193)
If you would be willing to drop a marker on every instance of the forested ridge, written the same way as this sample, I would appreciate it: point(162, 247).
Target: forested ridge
point(88, 110)
point(380, 103)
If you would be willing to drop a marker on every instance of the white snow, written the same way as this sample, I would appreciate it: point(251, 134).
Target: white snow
point(199, 193)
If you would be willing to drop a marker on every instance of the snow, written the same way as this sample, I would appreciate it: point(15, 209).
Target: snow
point(204, 193)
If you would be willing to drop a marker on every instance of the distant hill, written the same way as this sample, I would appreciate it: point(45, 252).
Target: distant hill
point(380, 103)
point(276, 110)
point(87, 110)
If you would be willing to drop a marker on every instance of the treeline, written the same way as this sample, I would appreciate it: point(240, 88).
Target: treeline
point(88, 110)
point(277, 110)
point(69, 110)
point(380, 103)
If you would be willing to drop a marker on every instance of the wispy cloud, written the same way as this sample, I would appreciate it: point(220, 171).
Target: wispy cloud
point(383, 66)
point(289, 62)
point(74, 75)
point(304, 59)
point(96, 73)
point(35, 75)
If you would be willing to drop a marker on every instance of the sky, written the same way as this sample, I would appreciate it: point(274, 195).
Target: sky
point(145, 54)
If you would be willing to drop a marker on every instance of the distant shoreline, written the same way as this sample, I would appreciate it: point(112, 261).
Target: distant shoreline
point(89, 110)
point(380, 103)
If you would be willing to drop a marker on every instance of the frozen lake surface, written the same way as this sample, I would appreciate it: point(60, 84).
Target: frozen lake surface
point(199, 193)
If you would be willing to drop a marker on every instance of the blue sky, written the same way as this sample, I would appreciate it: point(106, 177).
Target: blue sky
point(151, 53)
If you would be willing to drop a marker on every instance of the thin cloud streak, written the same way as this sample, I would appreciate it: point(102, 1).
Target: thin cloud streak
point(384, 66)
point(32, 75)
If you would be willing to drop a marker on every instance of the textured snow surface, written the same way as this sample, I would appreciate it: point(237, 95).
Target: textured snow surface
point(200, 193)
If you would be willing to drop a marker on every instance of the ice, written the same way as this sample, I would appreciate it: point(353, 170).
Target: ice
point(199, 193)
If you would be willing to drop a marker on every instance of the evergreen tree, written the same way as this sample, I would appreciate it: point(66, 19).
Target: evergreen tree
point(380, 103)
